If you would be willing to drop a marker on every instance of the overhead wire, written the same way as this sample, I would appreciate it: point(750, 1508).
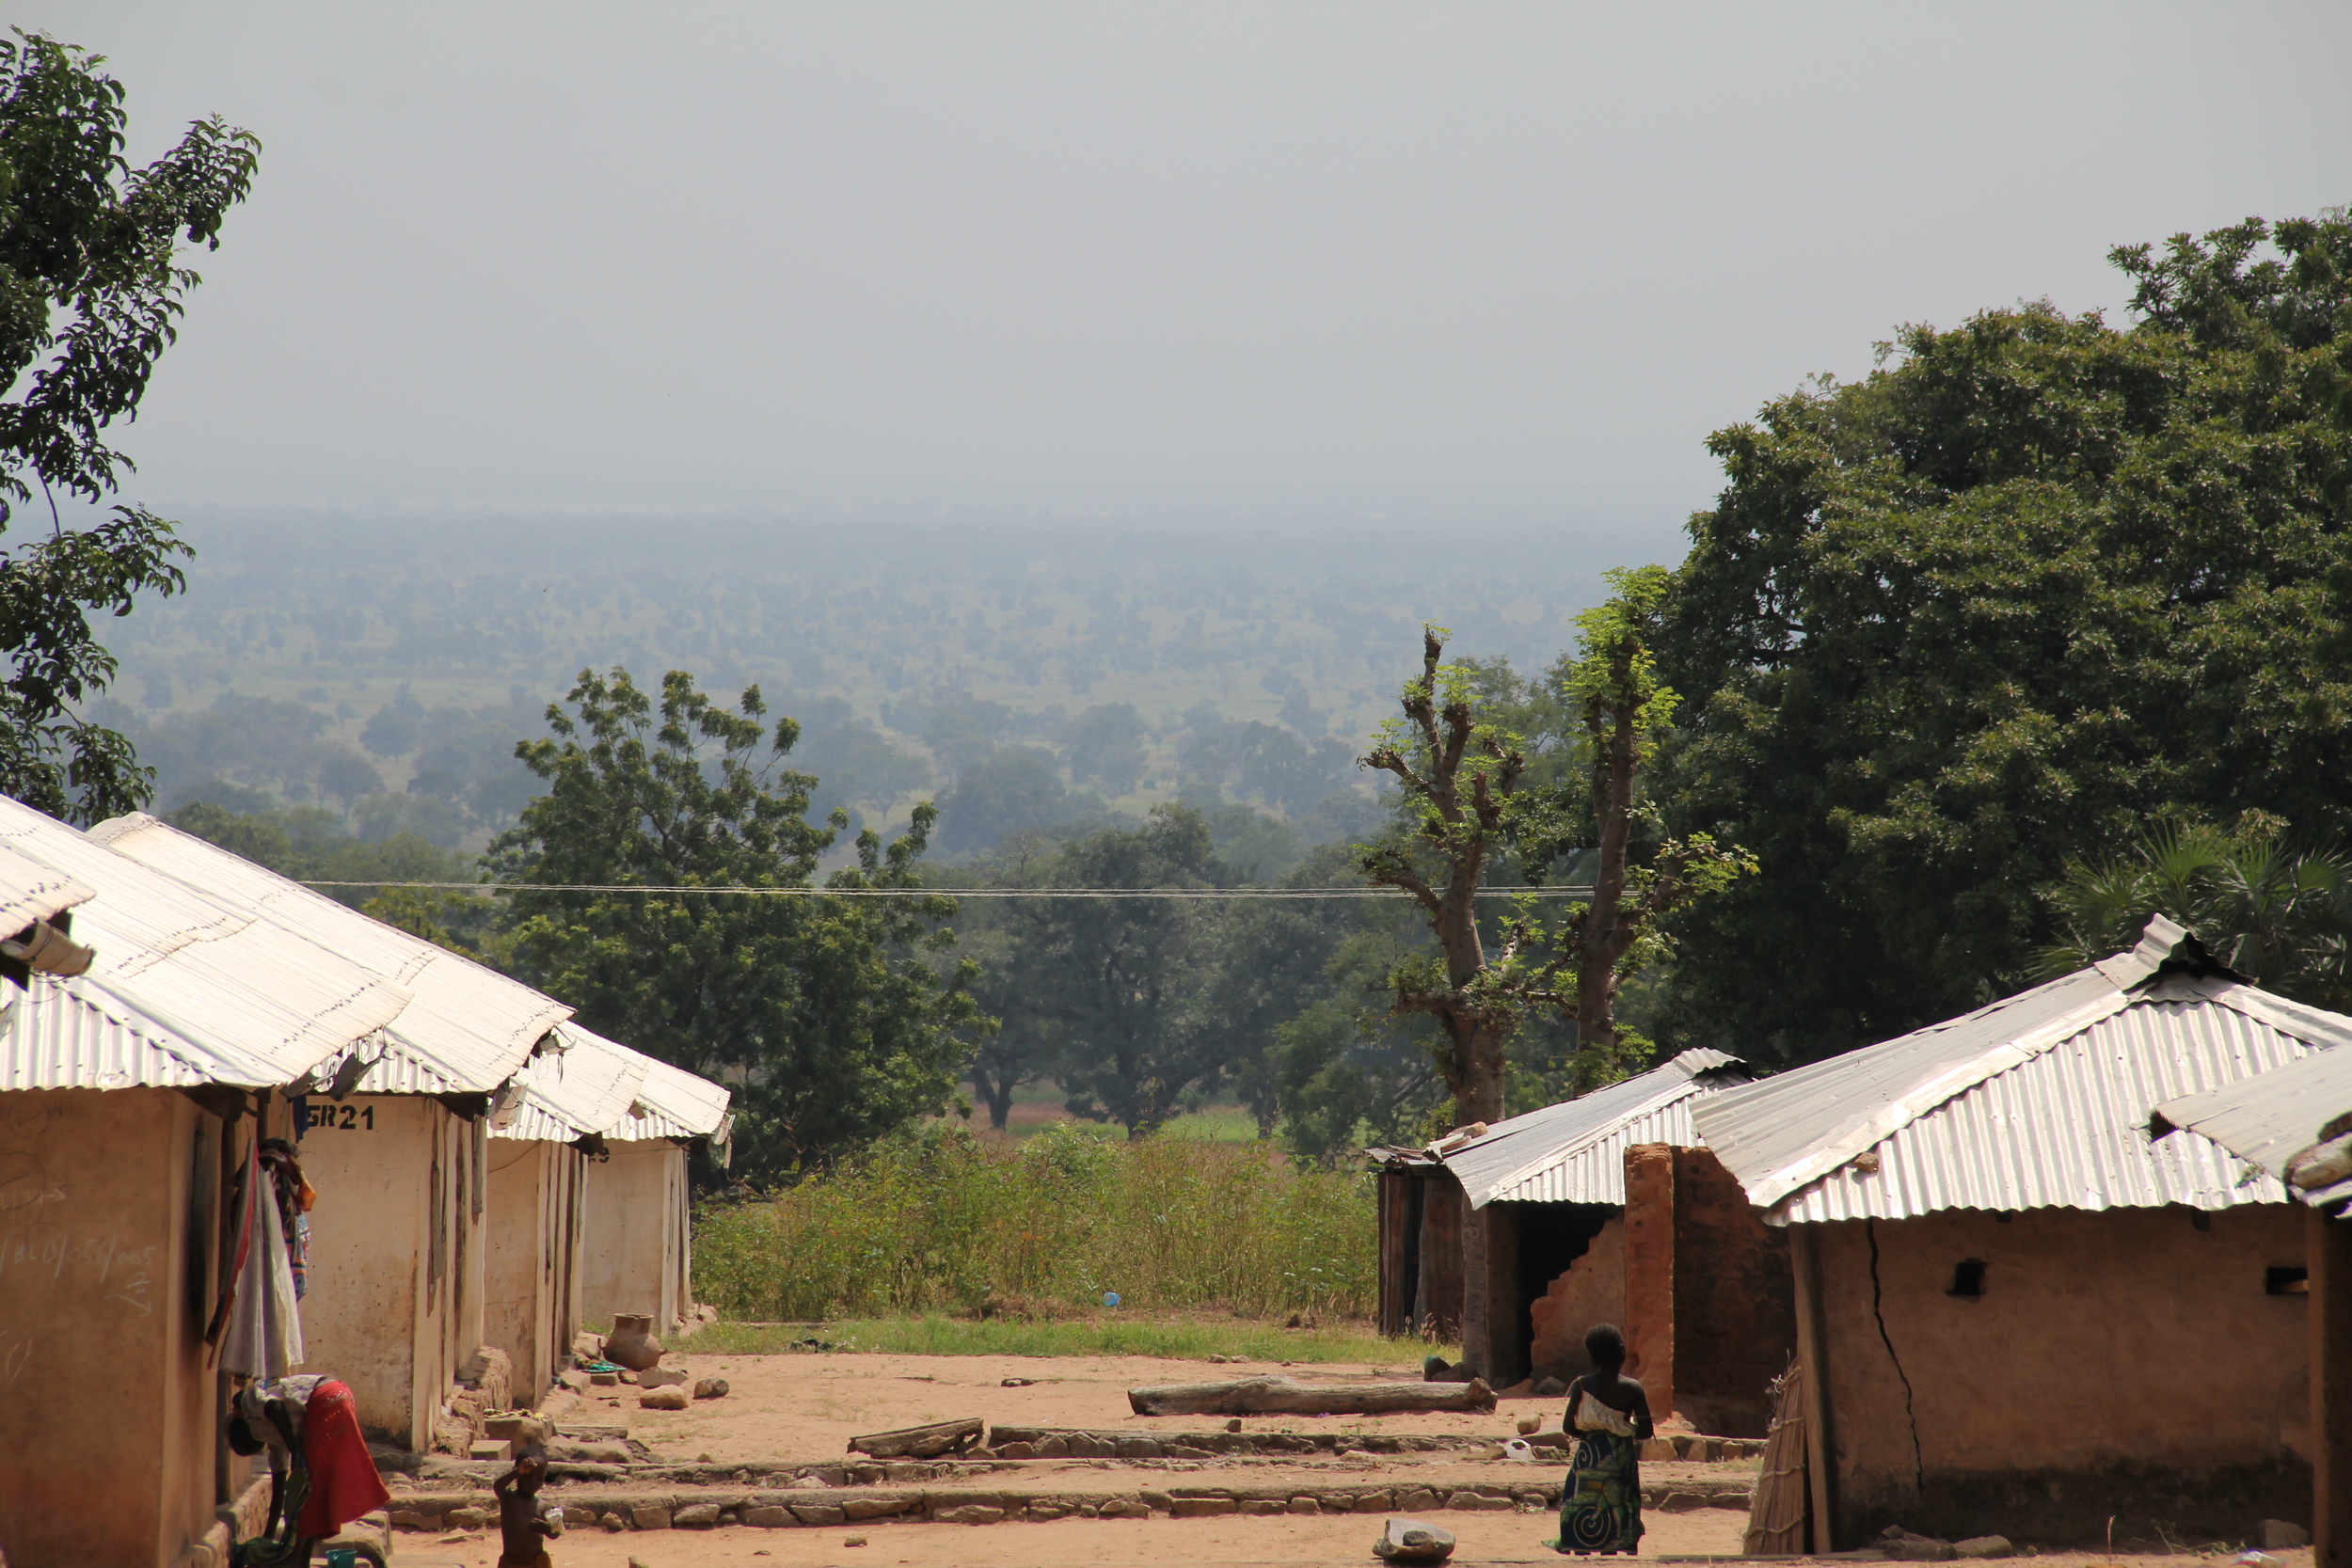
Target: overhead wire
point(1174, 892)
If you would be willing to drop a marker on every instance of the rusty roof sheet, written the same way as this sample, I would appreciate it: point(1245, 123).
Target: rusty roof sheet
point(251, 995)
point(31, 891)
point(468, 1028)
point(2270, 1119)
point(584, 1083)
point(1574, 1152)
point(2041, 1100)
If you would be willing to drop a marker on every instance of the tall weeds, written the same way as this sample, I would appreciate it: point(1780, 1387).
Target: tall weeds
point(949, 1224)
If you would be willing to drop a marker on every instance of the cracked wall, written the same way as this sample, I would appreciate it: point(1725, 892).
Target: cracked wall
point(2128, 1363)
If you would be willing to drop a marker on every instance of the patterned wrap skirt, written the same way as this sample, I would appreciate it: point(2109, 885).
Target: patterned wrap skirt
point(1600, 1507)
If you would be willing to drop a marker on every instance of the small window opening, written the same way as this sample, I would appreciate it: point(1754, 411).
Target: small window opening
point(2279, 1280)
point(1967, 1279)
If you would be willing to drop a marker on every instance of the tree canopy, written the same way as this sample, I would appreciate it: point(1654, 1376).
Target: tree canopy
point(91, 290)
point(834, 1018)
point(2034, 581)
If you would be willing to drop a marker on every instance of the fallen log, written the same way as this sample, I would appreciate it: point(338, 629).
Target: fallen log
point(919, 1442)
point(1279, 1396)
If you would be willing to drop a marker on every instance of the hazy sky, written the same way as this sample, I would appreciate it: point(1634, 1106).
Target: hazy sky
point(1259, 259)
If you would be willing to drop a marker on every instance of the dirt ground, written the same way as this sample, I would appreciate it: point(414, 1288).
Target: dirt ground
point(1484, 1538)
point(798, 1409)
point(808, 1407)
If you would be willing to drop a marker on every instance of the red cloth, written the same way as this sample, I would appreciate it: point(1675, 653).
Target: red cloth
point(343, 1483)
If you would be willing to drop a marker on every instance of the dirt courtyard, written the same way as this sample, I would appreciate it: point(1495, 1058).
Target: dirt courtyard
point(808, 1406)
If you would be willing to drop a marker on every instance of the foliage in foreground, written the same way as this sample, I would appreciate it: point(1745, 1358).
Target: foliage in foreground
point(91, 290)
point(1107, 1333)
point(948, 1224)
point(2032, 585)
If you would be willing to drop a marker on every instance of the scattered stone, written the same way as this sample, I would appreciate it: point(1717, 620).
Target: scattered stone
point(1550, 1388)
point(1088, 1510)
point(467, 1519)
point(1468, 1501)
point(613, 1524)
point(1361, 1456)
point(1984, 1546)
point(404, 1519)
point(818, 1514)
point(1122, 1508)
point(590, 1453)
point(1018, 1382)
point(696, 1516)
point(1418, 1500)
point(711, 1388)
point(2278, 1535)
point(627, 1377)
point(1018, 1451)
point(853, 1540)
point(1532, 1503)
point(1261, 1505)
point(873, 1508)
point(807, 1484)
point(673, 1398)
point(587, 1346)
point(704, 1458)
point(659, 1377)
point(1054, 1448)
point(1659, 1450)
point(1530, 1425)
point(636, 1562)
point(1413, 1541)
point(1304, 1505)
point(1045, 1513)
point(1681, 1502)
point(604, 1380)
point(766, 1516)
point(1233, 1425)
point(1200, 1508)
point(649, 1517)
point(1138, 1448)
point(971, 1513)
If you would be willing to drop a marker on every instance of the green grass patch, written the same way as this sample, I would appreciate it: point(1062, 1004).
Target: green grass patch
point(1106, 1335)
point(1040, 1230)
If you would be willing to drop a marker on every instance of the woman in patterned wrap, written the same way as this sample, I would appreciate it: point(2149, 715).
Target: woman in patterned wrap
point(1600, 1507)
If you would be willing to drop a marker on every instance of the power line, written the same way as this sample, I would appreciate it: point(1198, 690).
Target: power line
point(1174, 892)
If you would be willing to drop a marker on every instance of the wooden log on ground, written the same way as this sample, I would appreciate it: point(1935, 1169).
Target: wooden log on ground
point(919, 1442)
point(1279, 1396)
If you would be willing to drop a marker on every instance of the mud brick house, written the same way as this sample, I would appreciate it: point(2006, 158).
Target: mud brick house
point(639, 1249)
point(1601, 1209)
point(2023, 1303)
point(542, 1140)
point(131, 1095)
point(2295, 1123)
point(397, 1129)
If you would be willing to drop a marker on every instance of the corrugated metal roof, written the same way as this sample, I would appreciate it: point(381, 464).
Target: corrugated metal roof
point(468, 1029)
point(585, 1085)
point(69, 1034)
point(30, 891)
point(673, 1102)
point(215, 976)
point(2041, 1100)
point(2275, 1116)
point(1574, 1152)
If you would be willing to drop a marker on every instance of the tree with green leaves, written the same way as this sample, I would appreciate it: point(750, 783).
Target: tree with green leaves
point(1466, 805)
point(834, 1019)
point(2278, 911)
point(91, 290)
point(2036, 581)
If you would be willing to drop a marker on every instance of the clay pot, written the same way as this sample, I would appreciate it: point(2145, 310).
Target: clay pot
point(631, 1343)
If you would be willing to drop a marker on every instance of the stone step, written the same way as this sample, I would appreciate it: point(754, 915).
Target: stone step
point(706, 1508)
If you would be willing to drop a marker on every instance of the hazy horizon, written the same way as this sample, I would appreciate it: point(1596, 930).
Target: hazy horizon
point(1287, 266)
